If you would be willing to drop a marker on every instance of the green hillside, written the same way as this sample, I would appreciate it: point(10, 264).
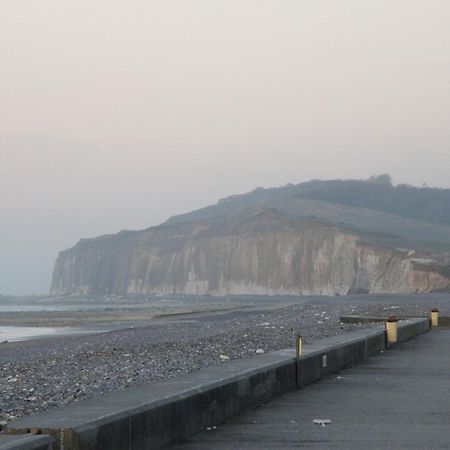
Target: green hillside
point(393, 215)
point(424, 204)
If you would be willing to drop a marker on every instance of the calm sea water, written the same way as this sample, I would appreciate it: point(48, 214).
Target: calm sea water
point(26, 307)
point(20, 305)
point(12, 334)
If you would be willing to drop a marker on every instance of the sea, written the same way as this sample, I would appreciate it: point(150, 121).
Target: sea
point(18, 307)
point(17, 333)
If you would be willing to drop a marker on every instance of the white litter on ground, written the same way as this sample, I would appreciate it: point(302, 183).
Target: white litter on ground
point(322, 422)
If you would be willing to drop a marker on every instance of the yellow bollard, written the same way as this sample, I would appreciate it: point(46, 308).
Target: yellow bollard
point(434, 317)
point(299, 346)
point(391, 330)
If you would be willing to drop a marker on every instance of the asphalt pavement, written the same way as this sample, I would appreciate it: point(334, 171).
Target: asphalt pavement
point(399, 399)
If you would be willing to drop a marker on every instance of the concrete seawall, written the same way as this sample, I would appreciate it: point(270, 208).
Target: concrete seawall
point(158, 415)
point(26, 442)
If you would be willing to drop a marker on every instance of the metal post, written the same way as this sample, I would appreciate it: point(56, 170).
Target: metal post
point(298, 354)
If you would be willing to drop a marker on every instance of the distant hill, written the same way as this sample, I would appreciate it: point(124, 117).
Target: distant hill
point(415, 216)
point(425, 204)
point(319, 237)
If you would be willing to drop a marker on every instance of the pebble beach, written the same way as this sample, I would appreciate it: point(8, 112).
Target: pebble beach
point(40, 374)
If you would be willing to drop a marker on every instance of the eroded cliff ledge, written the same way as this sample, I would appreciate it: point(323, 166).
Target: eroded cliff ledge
point(261, 251)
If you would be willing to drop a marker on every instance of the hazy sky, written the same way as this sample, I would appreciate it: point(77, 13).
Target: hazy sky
point(117, 114)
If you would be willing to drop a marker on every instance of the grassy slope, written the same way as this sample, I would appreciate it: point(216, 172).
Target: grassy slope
point(353, 205)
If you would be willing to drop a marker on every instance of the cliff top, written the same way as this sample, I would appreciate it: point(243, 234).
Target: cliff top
point(387, 215)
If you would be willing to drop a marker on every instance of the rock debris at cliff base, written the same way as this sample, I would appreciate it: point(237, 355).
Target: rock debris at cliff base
point(39, 375)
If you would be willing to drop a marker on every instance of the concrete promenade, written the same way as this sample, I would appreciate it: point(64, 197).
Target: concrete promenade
point(397, 400)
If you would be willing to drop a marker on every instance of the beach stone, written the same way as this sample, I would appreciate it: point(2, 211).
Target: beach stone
point(49, 373)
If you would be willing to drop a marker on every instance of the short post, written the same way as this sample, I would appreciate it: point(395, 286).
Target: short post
point(434, 315)
point(298, 354)
point(391, 330)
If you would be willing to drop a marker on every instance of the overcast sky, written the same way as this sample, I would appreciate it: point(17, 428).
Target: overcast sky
point(117, 114)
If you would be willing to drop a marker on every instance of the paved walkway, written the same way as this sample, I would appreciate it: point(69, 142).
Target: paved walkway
point(397, 400)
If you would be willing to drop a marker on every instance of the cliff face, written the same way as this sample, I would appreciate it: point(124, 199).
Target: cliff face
point(258, 253)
